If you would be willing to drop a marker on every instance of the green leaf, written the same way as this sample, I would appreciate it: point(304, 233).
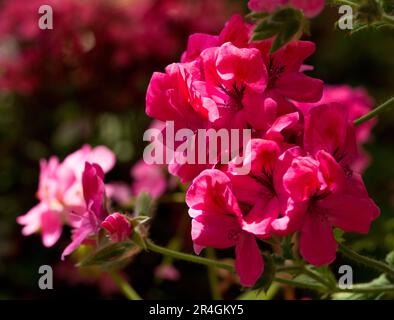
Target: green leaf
point(257, 15)
point(338, 235)
point(284, 24)
point(112, 256)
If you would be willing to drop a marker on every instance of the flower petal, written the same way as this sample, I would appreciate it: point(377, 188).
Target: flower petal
point(249, 262)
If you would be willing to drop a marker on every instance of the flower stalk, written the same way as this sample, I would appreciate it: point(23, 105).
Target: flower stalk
point(323, 286)
point(125, 287)
point(375, 112)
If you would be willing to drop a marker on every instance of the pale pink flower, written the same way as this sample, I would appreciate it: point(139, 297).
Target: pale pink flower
point(60, 193)
point(89, 223)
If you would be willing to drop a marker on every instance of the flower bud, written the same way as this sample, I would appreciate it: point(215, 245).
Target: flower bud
point(118, 227)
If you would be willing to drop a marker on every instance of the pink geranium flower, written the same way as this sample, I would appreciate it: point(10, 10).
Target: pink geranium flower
point(286, 76)
point(218, 222)
point(357, 103)
point(148, 178)
point(335, 135)
point(323, 196)
point(60, 193)
point(311, 8)
point(89, 222)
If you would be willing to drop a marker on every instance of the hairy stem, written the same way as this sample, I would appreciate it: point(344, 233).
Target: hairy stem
point(126, 288)
point(188, 257)
point(322, 288)
point(375, 112)
point(366, 261)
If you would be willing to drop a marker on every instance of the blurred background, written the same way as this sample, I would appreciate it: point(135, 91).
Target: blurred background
point(85, 82)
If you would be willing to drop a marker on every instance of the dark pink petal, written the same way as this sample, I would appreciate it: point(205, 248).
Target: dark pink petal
point(94, 192)
point(301, 180)
point(265, 5)
point(261, 156)
point(236, 31)
point(333, 174)
point(248, 190)
point(235, 65)
point(351, 209)
point(292, 220)
point(299, 87)
point(211, 192)
point(217, 231)
point(197, 43)
point(292, 56)
point(335, 134)
point(249, 262)
point(281, 123)
point(317, 242)
point(258, 220)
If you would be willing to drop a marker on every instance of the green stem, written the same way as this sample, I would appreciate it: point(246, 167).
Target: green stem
point(315, 276)
point(374, 112)
point(299, 284)
point(213, 278)
point(369, 262)
point(126, 288)
point(188, 257)
point(350, 3)
point(212, 263)
point(387, 18)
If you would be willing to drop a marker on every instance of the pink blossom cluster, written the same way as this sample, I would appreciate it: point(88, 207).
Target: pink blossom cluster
point(301, 153)
point(126, 38)
point(311, 8)
point(73, 193)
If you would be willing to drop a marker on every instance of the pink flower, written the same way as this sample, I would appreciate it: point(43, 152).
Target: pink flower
point(357, 103)
point(287, 80)
point(148, 178)
point(265, 5)
point(118, 227)
point(167, 272)
point(322, 196)
point(90, 221)
point(261, 191)
point(334, 135)
point(311, 8)
point(355, 100)
point(60, 193)
point(218, 222)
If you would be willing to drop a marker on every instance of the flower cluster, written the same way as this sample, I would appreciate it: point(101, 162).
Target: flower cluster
point(73, 192)
point(127, 39)
point(301, 154)
point(311, 8)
